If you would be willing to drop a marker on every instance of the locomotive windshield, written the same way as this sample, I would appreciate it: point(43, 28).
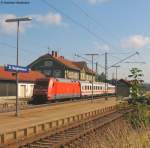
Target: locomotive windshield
point(42, 84)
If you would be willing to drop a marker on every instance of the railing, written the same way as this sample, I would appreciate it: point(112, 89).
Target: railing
point(49, 126)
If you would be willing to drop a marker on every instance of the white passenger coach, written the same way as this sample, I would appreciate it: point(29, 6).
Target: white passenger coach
point(98, 88)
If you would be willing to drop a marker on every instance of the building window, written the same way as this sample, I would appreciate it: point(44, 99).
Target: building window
point(48, 63)
point(47, 72)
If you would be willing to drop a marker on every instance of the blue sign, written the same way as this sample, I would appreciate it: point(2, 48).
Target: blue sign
point(14, 68)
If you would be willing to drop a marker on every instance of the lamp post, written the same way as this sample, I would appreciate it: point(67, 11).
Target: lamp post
point(18, 20)
point(92, 55)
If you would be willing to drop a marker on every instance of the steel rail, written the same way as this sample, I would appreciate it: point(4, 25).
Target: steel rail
point(71, 134)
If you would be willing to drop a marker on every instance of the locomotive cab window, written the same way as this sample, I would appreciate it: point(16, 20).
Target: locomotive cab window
point(41, 84)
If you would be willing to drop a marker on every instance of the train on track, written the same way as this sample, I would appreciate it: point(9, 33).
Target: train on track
point(52, 89)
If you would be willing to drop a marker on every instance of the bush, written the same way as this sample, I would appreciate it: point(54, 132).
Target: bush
point(140, 116)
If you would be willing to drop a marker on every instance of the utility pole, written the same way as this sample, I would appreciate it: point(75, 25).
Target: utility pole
point(92, 55)
point(116, 67)
point(106, 76)
point(96, 71)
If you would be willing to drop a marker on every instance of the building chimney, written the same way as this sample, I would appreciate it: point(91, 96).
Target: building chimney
point(52, 53)
point(56, 54)
point(62, 57)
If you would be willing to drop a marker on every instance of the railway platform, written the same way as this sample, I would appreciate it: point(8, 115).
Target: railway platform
point(10, 124)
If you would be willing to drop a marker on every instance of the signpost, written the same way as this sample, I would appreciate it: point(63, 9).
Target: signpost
point(14, 68)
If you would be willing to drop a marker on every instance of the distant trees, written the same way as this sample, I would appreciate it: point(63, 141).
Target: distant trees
point(101, 77)
point(136, 76)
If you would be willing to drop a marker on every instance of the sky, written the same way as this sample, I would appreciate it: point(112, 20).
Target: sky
point(119, 27)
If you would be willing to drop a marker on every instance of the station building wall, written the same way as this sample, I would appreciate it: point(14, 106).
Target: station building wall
point(8, 89)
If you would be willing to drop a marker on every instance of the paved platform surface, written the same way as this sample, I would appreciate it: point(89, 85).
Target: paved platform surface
point(9, 122)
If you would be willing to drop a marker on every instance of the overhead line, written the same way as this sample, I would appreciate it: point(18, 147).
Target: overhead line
point(88, 60)
point(12, 46)
point(136, 53)
point(75, 22)
point(89, 16)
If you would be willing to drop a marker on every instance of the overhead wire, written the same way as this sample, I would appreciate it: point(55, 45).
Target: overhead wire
point(89, 16)
point(84, 27)
point(12, 46)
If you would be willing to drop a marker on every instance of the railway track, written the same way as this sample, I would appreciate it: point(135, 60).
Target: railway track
point(10, 107)
point(71, 136)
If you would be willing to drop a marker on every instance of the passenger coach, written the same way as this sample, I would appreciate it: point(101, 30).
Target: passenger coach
point(98, 89)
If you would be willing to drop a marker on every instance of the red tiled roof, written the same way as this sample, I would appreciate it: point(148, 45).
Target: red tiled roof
point(30, 76)
point(66, 62)
point(73, 64)
point(83, 65)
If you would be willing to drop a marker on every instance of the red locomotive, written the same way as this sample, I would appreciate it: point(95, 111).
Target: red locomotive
point(52, 89)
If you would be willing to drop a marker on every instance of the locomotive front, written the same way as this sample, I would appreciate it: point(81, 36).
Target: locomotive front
point(40, 91)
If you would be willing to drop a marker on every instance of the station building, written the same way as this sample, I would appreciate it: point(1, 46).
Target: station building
point(123, 87)
point(53, 65)
point(26, 83)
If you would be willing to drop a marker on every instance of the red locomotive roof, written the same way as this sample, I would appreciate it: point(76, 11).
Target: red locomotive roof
point(30, 76)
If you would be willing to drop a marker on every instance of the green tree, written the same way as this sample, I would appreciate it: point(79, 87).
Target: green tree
point(101, 77)
point(136, 82)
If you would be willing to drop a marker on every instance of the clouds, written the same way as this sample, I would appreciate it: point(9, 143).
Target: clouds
point(94, 2)
point(135, 41)
point(50, 18)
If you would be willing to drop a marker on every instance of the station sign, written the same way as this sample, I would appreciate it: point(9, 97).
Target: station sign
point(14, 68)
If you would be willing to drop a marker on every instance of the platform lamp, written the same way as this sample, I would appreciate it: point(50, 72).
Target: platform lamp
point(17, 20)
